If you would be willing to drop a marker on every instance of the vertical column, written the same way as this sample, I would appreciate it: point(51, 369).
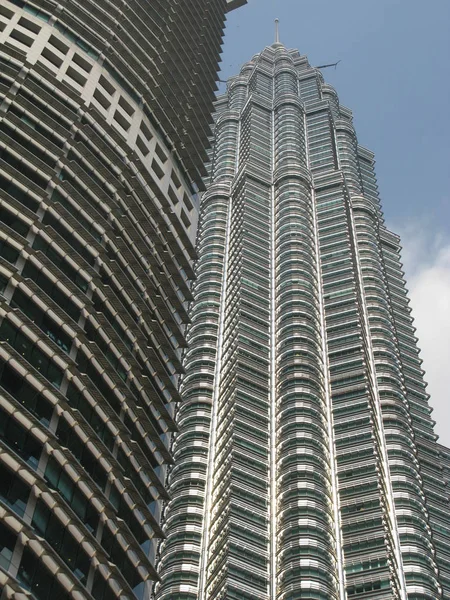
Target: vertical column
point(402, 479)
point(403, 469)
point(237, 552)
point(224, 156)
point(416, 477)
point(306, 535)
point(184, 515)
point(347, 148)
point(305, 541)
point(366, 544)
point(368, 533)
point(187, 514)
point(237, 555)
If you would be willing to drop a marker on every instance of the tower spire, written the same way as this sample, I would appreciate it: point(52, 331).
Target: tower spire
point(277, 33)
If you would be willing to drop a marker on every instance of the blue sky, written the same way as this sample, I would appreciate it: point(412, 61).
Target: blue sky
point(394, 75)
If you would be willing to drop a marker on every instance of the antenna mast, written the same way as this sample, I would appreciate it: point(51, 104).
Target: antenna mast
point(330, 65)
point(277, 33)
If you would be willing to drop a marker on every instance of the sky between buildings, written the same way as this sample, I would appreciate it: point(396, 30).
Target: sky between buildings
point(394, 75)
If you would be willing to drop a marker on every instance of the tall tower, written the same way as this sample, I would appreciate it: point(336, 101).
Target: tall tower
point(306, 466)
point(104, 110)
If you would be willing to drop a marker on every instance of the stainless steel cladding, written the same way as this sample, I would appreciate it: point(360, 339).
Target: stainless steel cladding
point(306, 465)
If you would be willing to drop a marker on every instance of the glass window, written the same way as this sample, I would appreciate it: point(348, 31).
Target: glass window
point(41, 319)
point(8, 252)
point(79, 247)
point(13, 491)
point(7, 543)
point(31, 353)
point(74, 210)
point(23, 168)
point(34, 576)
point(25, 143)
point(81, 453)
point(101, 590)
point(120, 558)
point(52, 290)
point(59, 261)
point(59, 480)
point(18, 193)
point(19, 439)
point(60, 538)
point(13, 221)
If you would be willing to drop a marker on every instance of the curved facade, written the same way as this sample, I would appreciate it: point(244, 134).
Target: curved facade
point(306, 465)
point(103, 122)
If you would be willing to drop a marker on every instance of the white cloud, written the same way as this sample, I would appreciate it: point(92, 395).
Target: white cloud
point(426, 260)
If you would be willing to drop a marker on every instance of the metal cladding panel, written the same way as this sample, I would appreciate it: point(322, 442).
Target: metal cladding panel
point(104, 111)
point(306, 465)
point(165, 52)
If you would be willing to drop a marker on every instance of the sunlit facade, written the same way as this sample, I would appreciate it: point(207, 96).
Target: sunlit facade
point(306, 466)
point(104, 119)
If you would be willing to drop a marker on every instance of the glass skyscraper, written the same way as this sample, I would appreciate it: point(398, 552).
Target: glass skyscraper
point(306, 466)
point(104, 119)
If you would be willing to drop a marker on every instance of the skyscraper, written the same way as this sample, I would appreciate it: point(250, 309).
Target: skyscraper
point(104, 110)
point(306, 465)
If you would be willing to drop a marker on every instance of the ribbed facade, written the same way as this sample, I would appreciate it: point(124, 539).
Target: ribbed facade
point(104, 110)
point(306, 466)
point(445, 458)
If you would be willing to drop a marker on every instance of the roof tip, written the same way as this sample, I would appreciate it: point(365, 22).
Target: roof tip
point(277, 43)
